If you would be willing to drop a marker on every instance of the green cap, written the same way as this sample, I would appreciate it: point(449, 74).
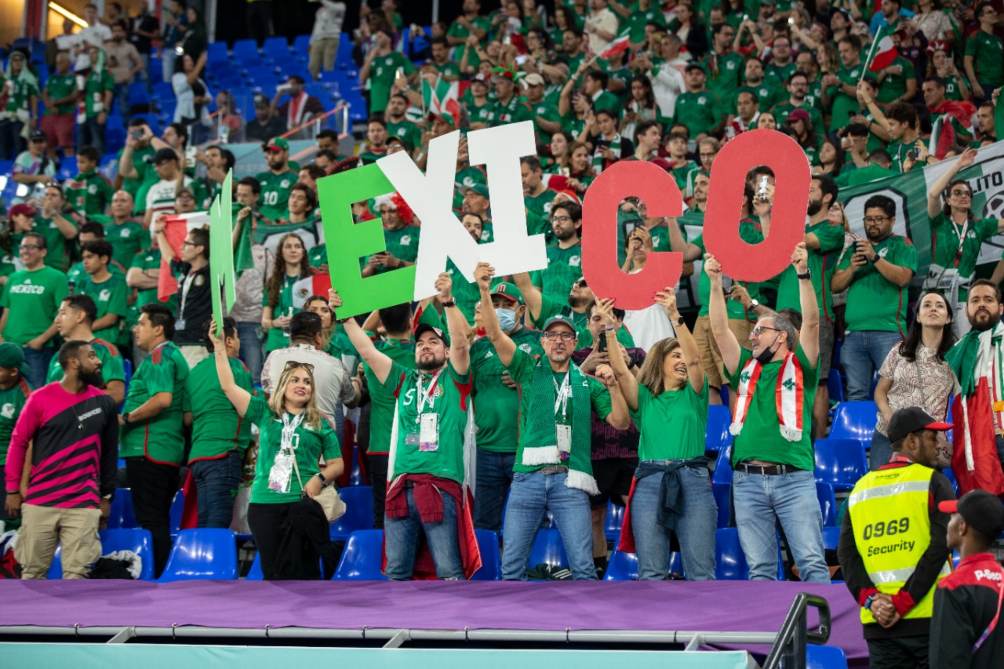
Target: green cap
point(478, 188)
point(560, 319)
point(509, 290)
point(277, 144)
point(11, 356)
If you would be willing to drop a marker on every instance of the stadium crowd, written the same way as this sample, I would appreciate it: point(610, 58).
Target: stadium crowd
point(558, 400)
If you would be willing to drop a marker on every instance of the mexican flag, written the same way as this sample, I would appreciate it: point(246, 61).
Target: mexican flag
point(620, 44)
point(176, 227)
point(951, 119)
point(883, 50)
point(442, 99)
point(316, 284)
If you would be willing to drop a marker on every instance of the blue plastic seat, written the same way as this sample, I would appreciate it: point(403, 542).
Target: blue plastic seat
point(202, 554)
point(245, 51)
point(491, 558)
point(362, 557)
point(840, 462)
point(730, 562)
point(67, 167)
point(835, 385)
point(121, 513)
point(547, 549)
point(301, 44)
point(614, 522)
point(723, 467)
point(854, 420)
point(255, 573)
point(717, 435)
point(216, 52)
point(358, 512)
point(177, 510)
point(825, 657)
point(831, 538)
point(723, 498)
point(134, 539)
point(275, 46)
point(624, 566)
point(827, 503)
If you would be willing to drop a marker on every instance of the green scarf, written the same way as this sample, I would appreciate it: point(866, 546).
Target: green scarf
point(965, 361)
point(542, 421)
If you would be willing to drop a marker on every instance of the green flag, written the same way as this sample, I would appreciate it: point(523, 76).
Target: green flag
point(221, 253)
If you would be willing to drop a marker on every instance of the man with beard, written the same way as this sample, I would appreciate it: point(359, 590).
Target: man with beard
point(74, 320)
point(72, 427)
point(772, 457)
point(876, 272)
point(397, 122)
point(552, 467)
point(428, 458)
point(278, 181)
point(564, 256)
point(978, 410)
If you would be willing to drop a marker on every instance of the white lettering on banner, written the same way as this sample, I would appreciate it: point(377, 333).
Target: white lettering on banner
point(430, 195)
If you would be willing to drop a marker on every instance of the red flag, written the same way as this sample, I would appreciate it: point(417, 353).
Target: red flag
point(885, 51)
point(617, 46)
point(986, 474)
point(176, 228)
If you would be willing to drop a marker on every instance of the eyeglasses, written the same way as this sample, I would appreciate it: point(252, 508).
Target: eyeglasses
point(188, 243)
point(29, 247)
point(876, 219)
point(560, 219)
point(961, 193)
point(759, 330)
point(563, 336)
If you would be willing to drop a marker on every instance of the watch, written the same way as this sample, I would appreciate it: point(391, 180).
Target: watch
point(125, 418)
point(321, 476)
point(754, 303)
point(807, 275)
point(449, 303)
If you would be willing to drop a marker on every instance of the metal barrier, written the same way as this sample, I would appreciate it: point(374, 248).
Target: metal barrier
point(788, 650)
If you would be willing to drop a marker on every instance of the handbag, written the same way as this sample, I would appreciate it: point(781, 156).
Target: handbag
point(329, 499)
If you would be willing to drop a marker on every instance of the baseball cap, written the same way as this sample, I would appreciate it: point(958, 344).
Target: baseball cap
point(11, 356)
point(478, 188)
point(560, 319)
point(37, 136)
point(912, 419)
point(276, 144)
point(260, 101)
point(798, 115)
point(981, 511)
point(164, 155)
point(425, 327)
point(534, 79)
point(695, 66)
point(481, 78)
point(509, 291)
point(22, 209)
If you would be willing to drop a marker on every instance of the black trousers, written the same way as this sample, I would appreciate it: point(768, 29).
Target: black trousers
point(153, 489)
point(292, 539)
point(376, 467)
point(908, 652)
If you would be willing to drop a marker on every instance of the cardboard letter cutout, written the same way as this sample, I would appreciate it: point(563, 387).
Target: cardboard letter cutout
point(347, 241)
point(781, 153)
point(221, 253)
point(599, 233)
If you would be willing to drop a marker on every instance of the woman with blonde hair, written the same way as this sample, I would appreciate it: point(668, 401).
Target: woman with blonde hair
point(671, 491)
point(289, 527)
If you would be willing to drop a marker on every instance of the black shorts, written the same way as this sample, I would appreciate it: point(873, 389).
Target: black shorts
point(613, 478)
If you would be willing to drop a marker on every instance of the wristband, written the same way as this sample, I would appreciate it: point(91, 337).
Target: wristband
point(448, 303)
point(807, 275)
point(324, 481)
point(125, 418)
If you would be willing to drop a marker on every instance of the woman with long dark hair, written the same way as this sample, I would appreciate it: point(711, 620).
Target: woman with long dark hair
point(915, 374)
point(290, 266)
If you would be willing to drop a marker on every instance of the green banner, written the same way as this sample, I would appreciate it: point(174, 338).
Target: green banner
point(221, 253)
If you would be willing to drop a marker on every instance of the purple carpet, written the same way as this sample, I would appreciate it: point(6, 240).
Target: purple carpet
point(711, 606)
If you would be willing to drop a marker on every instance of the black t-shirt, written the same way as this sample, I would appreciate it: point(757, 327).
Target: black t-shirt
point(195, 305)
point(146, 23)
point(255, 131)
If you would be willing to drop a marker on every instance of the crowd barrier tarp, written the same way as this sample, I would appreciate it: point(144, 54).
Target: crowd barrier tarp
point(643, 606)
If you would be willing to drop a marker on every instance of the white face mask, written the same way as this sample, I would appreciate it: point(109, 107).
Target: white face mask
point(506, 318)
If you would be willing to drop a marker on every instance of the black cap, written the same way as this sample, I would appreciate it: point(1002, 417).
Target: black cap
point(163, 155)
point(37, 136)
point(981, 511)
point(912, 419)
point(425, 327)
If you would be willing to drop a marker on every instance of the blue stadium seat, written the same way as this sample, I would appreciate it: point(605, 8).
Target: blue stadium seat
point(121, 514)
point(950, 475)
point(730, 562)
point(275, 46)
point(854, 420)
point(56, 567)
point(177, 509)
point(614, 521)
point(134, 539)
point(321, 92)
point(835, 385)
point(358, 512)
point(840, 462)
point(723, 467)
point(825, 657)
point(216, 52)
point(6, 166)
point(245, 52)
point(547, 549)
point(723, 498)
point(127, 368)
point(67, 168)
point(827, 503)
point(255, 573)
point(206, 553)
point(717, 435)
point(624, 566)
point(301, 44)
point(831, 537)
point(491, 558)
point(362, 557)
point(344, 55)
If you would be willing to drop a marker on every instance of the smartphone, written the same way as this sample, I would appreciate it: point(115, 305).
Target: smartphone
point(603, 343)
point(136, 133)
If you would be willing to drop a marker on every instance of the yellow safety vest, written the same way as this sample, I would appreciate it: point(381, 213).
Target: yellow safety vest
point(892, 529)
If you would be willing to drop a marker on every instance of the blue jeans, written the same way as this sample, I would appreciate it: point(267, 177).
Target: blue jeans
point(216, 483)
point(531, 495)
point(251, 353)
point(760, 502)
point(401, 536)
point(36, 364)
point(695, 529)
point(880, 452)
point(862, 355)
point(494, 476)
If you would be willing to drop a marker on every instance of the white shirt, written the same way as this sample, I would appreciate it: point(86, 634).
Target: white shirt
point(332, 382)
point(606, 21)
point(667, 84)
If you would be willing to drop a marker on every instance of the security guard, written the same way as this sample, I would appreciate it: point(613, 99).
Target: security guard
point(892, 544)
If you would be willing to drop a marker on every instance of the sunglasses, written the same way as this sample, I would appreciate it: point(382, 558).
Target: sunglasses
point(292, 364)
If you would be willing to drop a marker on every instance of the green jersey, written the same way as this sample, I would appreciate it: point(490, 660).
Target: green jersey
point(97, 84)
point(401, 243)
point(55, 243)
point(516, 109)
point(760, 438)
point(12, 400)
point(217, 429)
point(112, 365)
point(309, 445)
point(844, 106)
point(782, 109)
point(277, 338)
point(694, 110)
point(406, 131)
point(20, 92)
point(161, 439)
point(32, 298)
point(874, 302)
point(894, 85)
point(59, 86)
point(734, 308)
point(111, 296)
point(822, 263)
point(987, 52)
point(564, 267)
point(383, 72)
point(89, 193)
point(958, 246)
point(495, 403)
point(431, 420)
point(381, 403)
point(681, 412)
point(146, 176)
point(727, 71)
point(275, 187)
point(127, 238)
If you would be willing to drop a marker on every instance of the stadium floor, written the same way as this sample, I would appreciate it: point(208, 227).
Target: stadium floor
point(355, 606)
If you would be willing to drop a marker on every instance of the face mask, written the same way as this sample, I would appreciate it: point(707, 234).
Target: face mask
point(766, 355)
point(507, 319)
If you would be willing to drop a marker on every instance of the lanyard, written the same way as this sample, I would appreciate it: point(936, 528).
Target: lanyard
point(289, 430)
point(186, 285)
point(427, 398)
point(962, 238)
point(993, 623)
point(561, 395)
